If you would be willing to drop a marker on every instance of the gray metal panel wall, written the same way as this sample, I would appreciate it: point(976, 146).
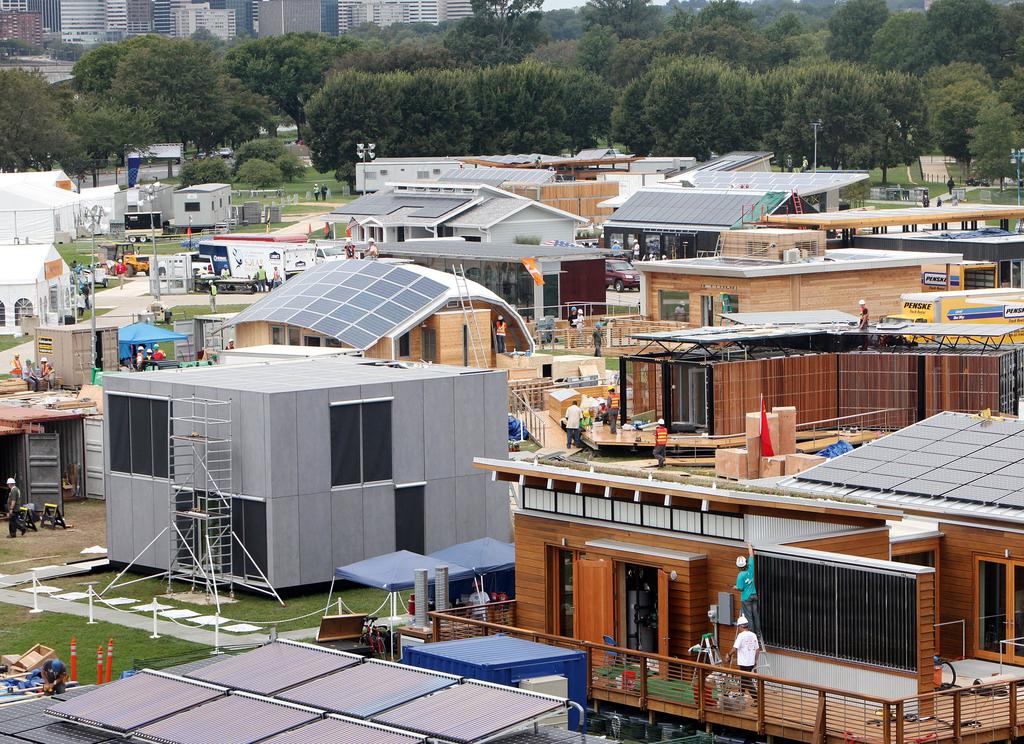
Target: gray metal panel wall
point(408, 448)
point(439, 423)
point(282, 454)
point(347, 526)
point(283, 538)
point(252, 446)
point(439, 512)
point(316, 536)
point(378, 520)
point(841, 676)
point(470, 508)
point(471, 420)
point(120, 529)
point(313, 425)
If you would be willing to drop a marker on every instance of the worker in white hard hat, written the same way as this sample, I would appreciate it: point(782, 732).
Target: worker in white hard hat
point(500, 329)
point(46, 373)
point(745, 650)
point(862, 324)
point(14, 504)
point(748, 590)
point(660, 442)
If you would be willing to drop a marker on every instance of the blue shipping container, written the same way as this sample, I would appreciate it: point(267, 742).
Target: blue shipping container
point(504, 660)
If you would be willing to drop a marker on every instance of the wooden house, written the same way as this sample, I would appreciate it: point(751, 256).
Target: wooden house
point(386, 310)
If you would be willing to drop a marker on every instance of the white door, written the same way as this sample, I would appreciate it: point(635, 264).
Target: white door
point(94, 457)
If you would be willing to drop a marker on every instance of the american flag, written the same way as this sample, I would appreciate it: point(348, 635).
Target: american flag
point(561, 243)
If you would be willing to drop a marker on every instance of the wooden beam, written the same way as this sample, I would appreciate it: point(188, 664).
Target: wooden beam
point(854, 219)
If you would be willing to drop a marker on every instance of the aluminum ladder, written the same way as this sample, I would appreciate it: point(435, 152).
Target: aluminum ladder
point(473, 340)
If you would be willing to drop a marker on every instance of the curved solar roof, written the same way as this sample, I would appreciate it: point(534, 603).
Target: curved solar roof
point(357, 302)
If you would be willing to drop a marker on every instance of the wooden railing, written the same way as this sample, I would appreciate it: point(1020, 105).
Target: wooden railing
point(761, 703)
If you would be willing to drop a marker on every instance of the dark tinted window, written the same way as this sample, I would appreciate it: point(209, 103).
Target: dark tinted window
point(120, 434)
point(376, 441)
point(360, 443)
point(409, 519)
point(142, 436)
point(345, 454)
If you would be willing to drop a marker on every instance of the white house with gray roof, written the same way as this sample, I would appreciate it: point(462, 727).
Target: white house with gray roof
point(473, 211)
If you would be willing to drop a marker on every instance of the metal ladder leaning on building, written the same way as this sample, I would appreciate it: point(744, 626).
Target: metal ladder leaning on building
point(473, 340)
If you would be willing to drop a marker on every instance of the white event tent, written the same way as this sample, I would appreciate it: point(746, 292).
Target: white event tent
point(34, 280)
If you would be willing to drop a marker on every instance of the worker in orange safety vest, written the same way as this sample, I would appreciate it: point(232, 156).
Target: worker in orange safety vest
point(613, 410)
point(500, 329)
point(660, 441)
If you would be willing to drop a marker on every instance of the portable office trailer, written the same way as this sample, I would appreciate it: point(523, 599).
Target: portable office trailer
point(202, 206)
point(69, 350)
point(331, 460)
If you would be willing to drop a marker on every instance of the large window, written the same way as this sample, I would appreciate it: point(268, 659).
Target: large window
point(409, 518)
point(360, 443)
point(191, 206)
point(674, 305)
point(842, 612)
point(138, 435)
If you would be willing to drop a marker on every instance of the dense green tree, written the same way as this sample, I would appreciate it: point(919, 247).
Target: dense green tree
point(844, 97)
point(560, 54)
point(290, 165)
point(207, 170)
point(564, 24)
point(408, 56)
point(1011, 90)
point(34, 131)
point(95, 71)
point(499, 32)
point(630, 19)
point(957, 93)
point(630, 125)
point(287, 69)
point(698, 106)
point(967, 31)
point(103, 130)
point(260, 174)
point(264, 148)
point(853, 26)
point(993, 137)
point(596, 49)
point(901, 133)
point(902, 44)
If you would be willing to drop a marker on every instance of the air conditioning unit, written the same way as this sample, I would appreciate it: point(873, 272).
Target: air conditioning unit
point(791, 255)
point(554, 684)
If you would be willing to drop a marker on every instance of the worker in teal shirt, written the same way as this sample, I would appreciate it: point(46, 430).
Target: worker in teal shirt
point(748, 590)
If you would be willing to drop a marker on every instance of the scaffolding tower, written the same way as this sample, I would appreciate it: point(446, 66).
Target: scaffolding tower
point(199, 478)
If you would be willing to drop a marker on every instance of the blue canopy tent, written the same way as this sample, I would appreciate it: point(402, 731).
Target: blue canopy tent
point(393, 572)
point(144, 334)
point(490, 559)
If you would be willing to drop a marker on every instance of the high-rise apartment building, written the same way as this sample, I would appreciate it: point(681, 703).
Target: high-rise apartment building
point(352, 13)
point(278, 17)
point(453, 10)
point(21, 25)
point(188, 19)
point(140, 17)
point(329, 17)
point(116, 19)
point(50, 12)
point(83, 21)
point(243, 10)
point(162, 17)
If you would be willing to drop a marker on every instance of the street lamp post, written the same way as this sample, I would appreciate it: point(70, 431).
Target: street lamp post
point(94, 217)
point(366, 151)
point(1016, 155)
point(816, 125)
point(154, 269)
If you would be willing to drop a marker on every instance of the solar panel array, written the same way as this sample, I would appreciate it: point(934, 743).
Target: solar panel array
point(355, 302)
point(165, 709)
point(774, 181)
point(949, 456)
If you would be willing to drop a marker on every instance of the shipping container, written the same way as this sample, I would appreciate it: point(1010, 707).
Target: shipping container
point(69, 349)
point(504, 660)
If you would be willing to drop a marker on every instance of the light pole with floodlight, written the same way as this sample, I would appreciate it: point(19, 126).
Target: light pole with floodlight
point(94, 217)
point(816, 125)
point(150, 198)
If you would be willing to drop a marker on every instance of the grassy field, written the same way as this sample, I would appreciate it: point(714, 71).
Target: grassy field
point(88, 527)
point(898, 177)
point(20, 630)
point(248, 606)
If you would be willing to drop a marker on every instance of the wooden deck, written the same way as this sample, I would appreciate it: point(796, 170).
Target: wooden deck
point(762, 704)
point(807, 442)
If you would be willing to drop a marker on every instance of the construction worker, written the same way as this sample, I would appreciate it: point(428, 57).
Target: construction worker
point(500, 329)
point(748, 590)
point(55, 677)
point(16, 366)
point(613, 410)
point(14, 504)
point(862, 324)
point(158, 354)
point(745, 650)
point(660, 442)
point(213, 297)
point(47, 373)
point(573, 420)
point(598, 335)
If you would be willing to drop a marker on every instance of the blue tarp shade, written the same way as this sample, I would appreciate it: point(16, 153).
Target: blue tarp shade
point(484, 556)
point(393, 572)
point(145, 334)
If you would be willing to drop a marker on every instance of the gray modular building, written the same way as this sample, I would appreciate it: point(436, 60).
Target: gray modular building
point(327, 461)
point(203, 205)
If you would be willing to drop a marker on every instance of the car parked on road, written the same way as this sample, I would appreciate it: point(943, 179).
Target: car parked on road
point(620, 275)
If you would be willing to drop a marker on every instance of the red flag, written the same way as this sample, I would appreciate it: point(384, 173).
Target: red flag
point(327, 229)
point(766, 435)
point(188, 232)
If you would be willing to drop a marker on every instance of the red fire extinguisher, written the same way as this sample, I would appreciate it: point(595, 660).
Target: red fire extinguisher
point(412, 604)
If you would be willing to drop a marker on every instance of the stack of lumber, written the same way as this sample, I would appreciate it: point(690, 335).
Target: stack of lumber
point(749, 462)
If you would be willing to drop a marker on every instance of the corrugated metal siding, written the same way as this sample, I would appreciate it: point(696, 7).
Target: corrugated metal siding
point(761, 529)
point(338, 731)
point(235, 719)
point(369, 688)
point(841, 676)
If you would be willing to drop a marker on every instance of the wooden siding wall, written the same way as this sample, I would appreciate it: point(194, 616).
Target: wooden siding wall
point(807, 382)
point(582, 282)
point(872, 382)
point(962, 545)
point(961, 383)
point(872, 543)
point(833, 290)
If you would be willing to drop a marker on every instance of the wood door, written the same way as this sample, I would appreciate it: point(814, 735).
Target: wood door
point(594, 600)
point(663, 638)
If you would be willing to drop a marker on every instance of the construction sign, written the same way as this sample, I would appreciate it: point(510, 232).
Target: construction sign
point(531, 266)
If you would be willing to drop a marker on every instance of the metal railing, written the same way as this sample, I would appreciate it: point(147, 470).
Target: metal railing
point(759, 702)
point(520, 407)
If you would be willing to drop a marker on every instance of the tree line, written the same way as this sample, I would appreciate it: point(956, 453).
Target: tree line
point(690, 78)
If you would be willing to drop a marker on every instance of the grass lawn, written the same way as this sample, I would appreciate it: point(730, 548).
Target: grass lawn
point(88, 520)
point(10, 341)
point(248, 607)
point(898, 177)
point(20, 630)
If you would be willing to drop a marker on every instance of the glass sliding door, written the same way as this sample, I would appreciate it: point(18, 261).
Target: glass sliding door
point(991, 605)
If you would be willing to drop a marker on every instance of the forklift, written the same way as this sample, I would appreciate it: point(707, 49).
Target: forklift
point(134, 260)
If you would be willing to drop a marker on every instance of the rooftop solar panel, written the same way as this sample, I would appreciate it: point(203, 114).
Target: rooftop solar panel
point(64, 732)
point(975, 437)
point(956, 449)
point(1012, 499)
point(274, 667)
point(926, 458)
point(1000, 453)
point(901, 468)
point(1015, 469)
point(922, 487)
point(896, 441)
point(235, 719)
point(468, 712)
point(824, 474)
point(949, 421)
point(877, 482)
point(365, 690)
point(977, 494)
point(1002, 482)
point(974, 464)
point(344, 731)
point(950, 474)
point(135, 701)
